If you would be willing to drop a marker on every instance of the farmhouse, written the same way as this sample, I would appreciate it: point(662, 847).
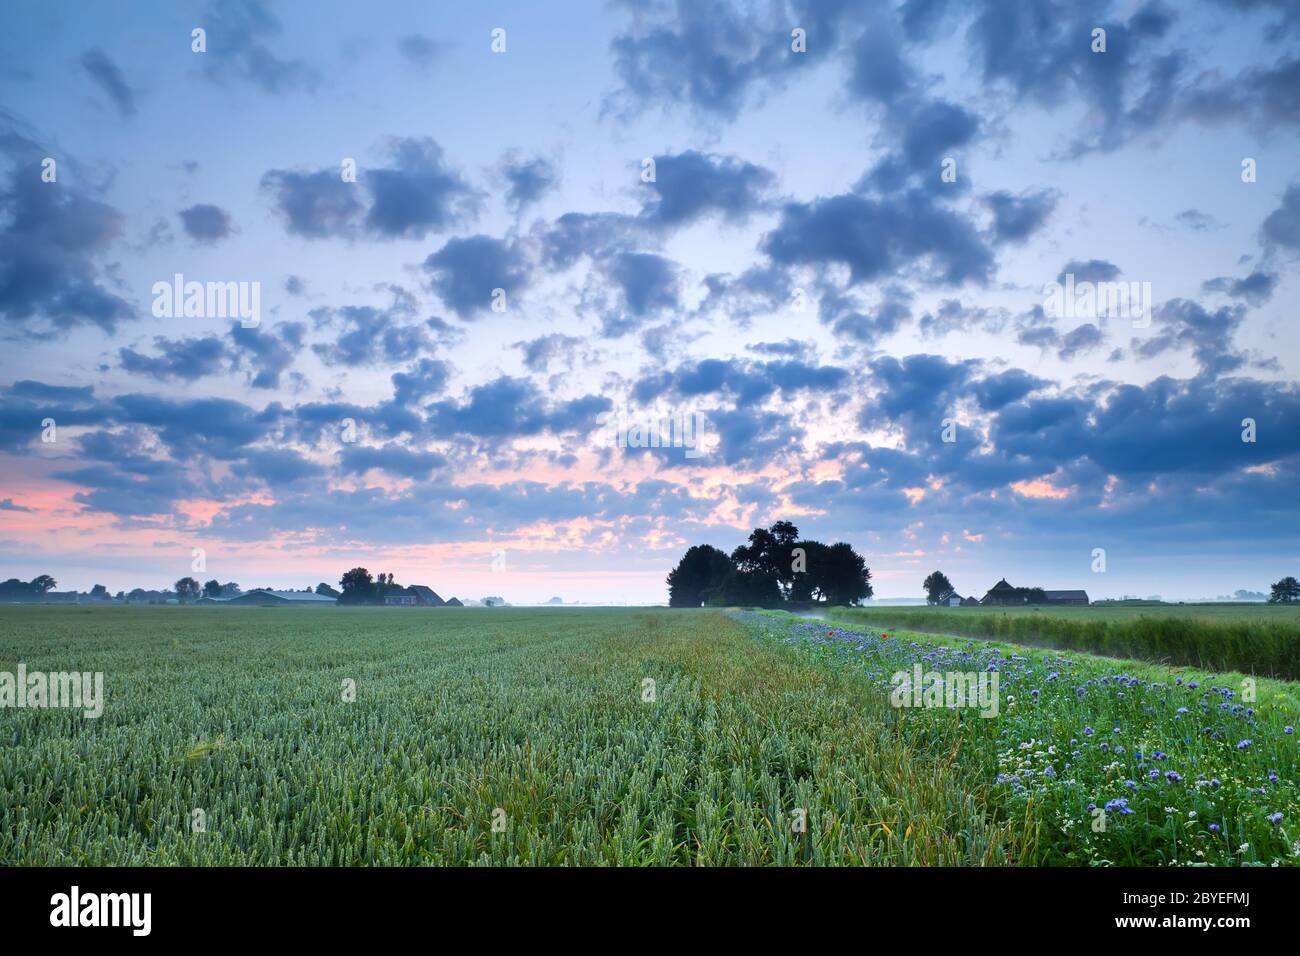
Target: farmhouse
point(267, 598)
point(1002, 594)
point(417, 595)
point(1077, 598)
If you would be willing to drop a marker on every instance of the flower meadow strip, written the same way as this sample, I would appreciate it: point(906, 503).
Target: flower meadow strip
point(1110, 762)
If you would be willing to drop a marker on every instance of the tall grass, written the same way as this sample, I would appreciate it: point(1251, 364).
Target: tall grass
point(1269, 647)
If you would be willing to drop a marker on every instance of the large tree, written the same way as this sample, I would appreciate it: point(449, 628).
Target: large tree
point(212, 589)
point(937, 588)
point(843, 576)
point(43, 582)
point(187, 589)
point(698, 575)
point(358, 587)
point(1286, 591)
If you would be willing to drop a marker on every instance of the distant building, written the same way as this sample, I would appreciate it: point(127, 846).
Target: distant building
point(1002, 594)
point(970, 602)
point(263, 597)
point(1077, 598)
point(454, 602)
point(417, 595)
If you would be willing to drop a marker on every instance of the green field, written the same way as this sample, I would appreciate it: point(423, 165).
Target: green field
point(1255, 638)
point(538, 719)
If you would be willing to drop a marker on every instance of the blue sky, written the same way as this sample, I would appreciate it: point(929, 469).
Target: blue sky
point(799, 273)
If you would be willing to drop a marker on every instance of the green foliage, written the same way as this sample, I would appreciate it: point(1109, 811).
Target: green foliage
point(1286, 591)
point(1258, 645)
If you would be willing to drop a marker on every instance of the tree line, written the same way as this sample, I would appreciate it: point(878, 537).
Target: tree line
point(774, 568)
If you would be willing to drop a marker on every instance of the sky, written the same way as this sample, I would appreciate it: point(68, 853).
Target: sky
point(490, 244)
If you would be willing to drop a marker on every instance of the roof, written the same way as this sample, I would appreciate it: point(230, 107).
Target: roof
point(426, 594)
point(1066, 595)
point(287, 597)
point(1002, 586)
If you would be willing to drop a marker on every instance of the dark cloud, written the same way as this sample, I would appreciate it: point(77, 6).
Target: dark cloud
point(1182, 323)
point(745, 381)
point(996, 391)
point(418, 50)
point(206, 223)
point(266, 353)
point(540, 352)
point(529, 179)
point(109, 78)
point(465, 271)
point(1091, 270)
point(392, 458)
point(1256, 288)
point(238, 35)
point(277, 466)
point(691, 185)
point(426, 377)
point(1282, 227)
point(51, 236)
point(1016, 218)
point(906, 233)
point(416, 194)
point(183, 359)
point(369, 335)
point(511, 407)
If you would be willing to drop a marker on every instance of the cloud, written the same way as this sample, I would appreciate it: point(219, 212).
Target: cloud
point(1282, 227)
point(392, 458)
point(415, 195)
point(1256, 288)
point(206, 223)
point(691, 185)
point(51, 236)
point(512, 407)
point(109, 78)
point(466, 271)
point(1091, 270)
point(529, 179)
point(905, 233)
point(181, 359)
point(418, 50)
point(238, 32)
point(1016, 218)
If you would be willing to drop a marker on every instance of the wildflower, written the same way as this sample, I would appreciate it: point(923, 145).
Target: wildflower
point(1087, 731)
point(1244, 745)
point(1275, 818)
point(1214, 828)
point(1288, 730)
point(1173, 776)
point(1131, 784)
point(1118, 805)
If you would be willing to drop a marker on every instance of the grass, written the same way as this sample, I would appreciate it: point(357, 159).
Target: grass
point(1109, 762)
point(1259, 639)
point(537, 719)
point(239, 713)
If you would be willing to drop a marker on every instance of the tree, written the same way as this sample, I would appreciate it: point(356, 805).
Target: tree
point(1286, 591)
point(99, 592)
point(806, 558)
point(212, 589)
point(937, 588)
point(42, 583)
point(187, 589)
point(358, 587)
point(231, 589)
point(843, 576)
point(769, 554)
point(326, 590)
point(700, 572)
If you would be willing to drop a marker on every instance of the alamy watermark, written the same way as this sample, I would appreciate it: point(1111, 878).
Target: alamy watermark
point(1093, 300)
point(977, 689)
point(39, 690)
point(684, 430)
point(208, 300)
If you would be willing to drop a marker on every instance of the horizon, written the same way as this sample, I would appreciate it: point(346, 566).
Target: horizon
point(940, 280)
